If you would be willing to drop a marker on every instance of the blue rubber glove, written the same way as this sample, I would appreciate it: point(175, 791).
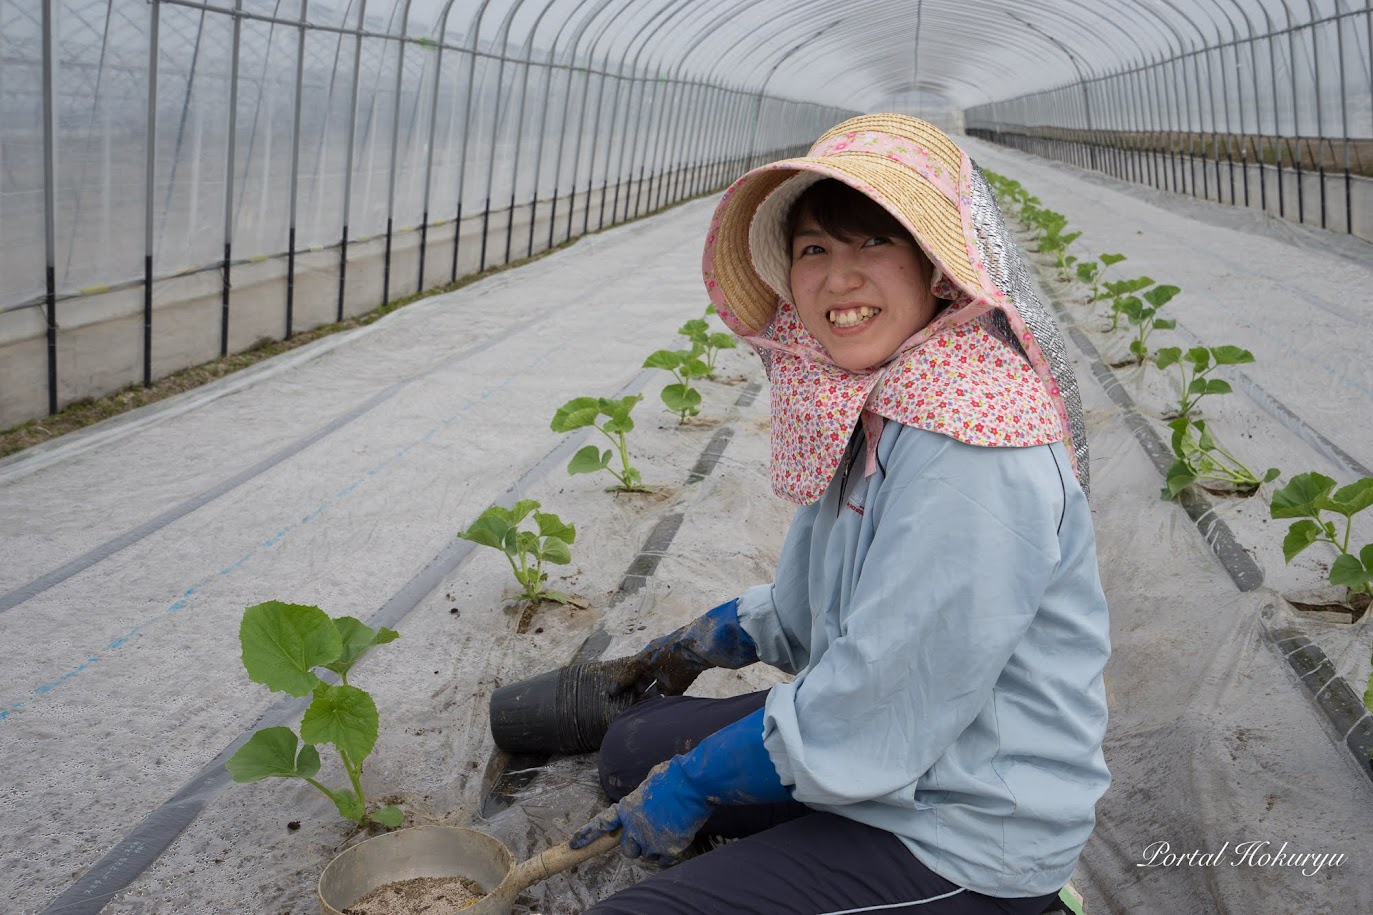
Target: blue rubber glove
point(669, 665)
point(662, 816)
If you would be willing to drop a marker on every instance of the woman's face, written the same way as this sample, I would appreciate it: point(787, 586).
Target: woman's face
point(861, 297)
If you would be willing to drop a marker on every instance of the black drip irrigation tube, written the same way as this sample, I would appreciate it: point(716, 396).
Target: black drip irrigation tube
point(137, 851)
point(1337, 700)
point(512, 772)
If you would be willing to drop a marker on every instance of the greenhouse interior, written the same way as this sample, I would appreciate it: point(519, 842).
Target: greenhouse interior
point(306, 306)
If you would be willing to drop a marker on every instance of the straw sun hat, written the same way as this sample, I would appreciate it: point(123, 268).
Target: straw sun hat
point(1013, 384)
point(906, 165)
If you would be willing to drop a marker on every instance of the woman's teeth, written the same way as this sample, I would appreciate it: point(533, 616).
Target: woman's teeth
point(849, 318)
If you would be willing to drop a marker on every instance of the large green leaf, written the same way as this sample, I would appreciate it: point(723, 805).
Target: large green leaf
point(620, 422)
point(1299, 536)
point(694, 367)
point(694, 327)
point(680, 398)
point(576, 413)
point(1160, 295)
point(1199, 356)
point(589, 460)
point(281, 642)
point(1348, 571)
point(488, 530)
point(344, 716)
point(1352, 499)
point(357, 638)
point(1109, 259)
point(1167, 356)
point(1302, 497)
point(618, 411)
point(271, 753)
point(721, 341)
point(663, 359)
point(550, 525)
point(1231, 355)
point(1218, 386)
point(388, 816)
point(521, 510)
point(556, 551)
point(1180, 476)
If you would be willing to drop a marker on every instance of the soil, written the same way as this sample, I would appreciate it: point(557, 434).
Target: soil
point(1351, 610)
point(419, 896)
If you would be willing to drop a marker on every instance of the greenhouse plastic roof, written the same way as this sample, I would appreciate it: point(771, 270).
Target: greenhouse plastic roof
point(860, 55)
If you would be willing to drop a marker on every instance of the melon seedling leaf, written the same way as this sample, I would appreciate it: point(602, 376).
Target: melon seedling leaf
point(271, 753)
point(281, 642)
point(344, 716)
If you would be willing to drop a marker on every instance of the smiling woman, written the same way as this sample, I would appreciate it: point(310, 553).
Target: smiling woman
point(937, 599)
point(860, 282)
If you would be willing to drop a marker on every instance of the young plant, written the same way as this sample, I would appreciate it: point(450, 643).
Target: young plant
point(1193, 367)
point(698, 331)
point(1092, 273)
point(1054, 241)
point(1306, 496)
point(681, 398)
point(1122, 290)
point(526, 551)
point(1144, 318)
point(585, 411)
point(281, 644)
point(1199, 458)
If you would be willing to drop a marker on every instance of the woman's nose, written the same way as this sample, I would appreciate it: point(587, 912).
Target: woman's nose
point(844, 274)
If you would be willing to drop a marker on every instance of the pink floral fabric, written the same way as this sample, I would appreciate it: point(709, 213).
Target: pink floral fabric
point(955, 378)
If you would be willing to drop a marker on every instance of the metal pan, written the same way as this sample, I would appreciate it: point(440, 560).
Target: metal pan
point(445, 851)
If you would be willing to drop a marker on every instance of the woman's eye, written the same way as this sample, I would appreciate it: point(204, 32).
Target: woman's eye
point(809, 249)
point(877, 240)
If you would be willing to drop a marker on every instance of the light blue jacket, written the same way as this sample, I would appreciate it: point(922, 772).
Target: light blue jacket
point(948, 631)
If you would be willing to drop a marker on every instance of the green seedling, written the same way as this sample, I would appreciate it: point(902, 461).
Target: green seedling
point(1092, 274)
point(1121, 290)
point(1143, 316)
point(585, 411)
point(1199, 459)
point(1307, 496)
point(710, 344)
point(1194, 366)
point(499, 528)
point(282, 644)
point(681, 398)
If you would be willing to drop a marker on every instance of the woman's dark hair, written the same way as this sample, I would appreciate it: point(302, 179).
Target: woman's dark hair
point(843, 212)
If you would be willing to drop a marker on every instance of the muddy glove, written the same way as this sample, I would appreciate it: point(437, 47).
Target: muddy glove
point(669, 665)
point(660, 818)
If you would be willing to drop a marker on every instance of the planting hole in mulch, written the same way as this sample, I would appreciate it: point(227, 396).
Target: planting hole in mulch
point(656, 494)
point(1350, 611)
point(419, 896)
point(700, 422)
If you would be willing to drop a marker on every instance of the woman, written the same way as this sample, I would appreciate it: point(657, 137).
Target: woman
point(937, 596)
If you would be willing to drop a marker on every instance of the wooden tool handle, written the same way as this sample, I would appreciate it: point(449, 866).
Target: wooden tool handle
point(555, 860)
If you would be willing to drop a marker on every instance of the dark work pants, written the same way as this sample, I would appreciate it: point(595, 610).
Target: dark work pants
point(788, 859)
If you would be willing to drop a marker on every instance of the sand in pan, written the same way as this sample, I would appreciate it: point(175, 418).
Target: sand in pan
point(418, 896)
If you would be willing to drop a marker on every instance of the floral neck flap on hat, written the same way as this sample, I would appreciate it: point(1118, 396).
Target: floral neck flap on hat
point(976, 373)
point(956, 377)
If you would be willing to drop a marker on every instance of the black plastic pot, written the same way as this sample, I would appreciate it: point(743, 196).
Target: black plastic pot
point(563, 711)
